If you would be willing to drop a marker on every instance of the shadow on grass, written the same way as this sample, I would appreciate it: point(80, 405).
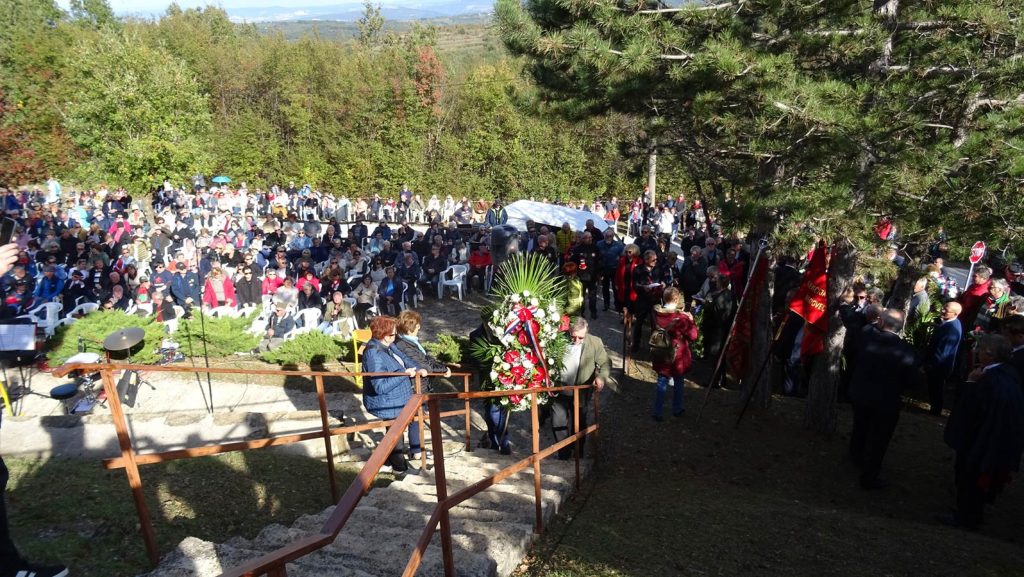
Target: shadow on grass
point(767, 498)
point(75, 512)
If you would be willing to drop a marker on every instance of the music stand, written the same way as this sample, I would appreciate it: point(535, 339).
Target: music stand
point(17, 341)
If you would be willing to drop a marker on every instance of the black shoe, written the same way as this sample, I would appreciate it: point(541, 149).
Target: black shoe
point(506, 450)
point(593, 315)
point(657, 418)
point(31, 570)
point(606, 309)
point(679, 414)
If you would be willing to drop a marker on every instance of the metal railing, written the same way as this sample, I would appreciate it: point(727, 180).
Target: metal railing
point(274, 563)
point(130, 460)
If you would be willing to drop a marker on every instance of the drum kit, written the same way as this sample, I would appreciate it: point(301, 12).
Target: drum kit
point(86, 389)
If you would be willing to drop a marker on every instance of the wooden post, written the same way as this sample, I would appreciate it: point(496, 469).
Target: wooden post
point(535, 425)
point(469, 422)
point(131, 468)
point(441, 484)
point(419, 423)
point(597, 419)
point(325, 427)
point(576, 429)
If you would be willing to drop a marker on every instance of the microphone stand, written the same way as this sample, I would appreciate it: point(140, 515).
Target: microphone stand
point(206, 357)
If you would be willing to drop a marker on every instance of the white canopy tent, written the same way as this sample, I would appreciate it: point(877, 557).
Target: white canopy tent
point(552, 215)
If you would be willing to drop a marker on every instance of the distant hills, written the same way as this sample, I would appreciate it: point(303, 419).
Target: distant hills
point(351, 13)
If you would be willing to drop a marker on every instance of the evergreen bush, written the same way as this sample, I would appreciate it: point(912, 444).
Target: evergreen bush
point(96, 326)
point(448, 349)
point(224, 336)
point(308, 348)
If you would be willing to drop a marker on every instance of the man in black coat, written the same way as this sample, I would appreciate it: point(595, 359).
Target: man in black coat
point(986, 429)
point(941, 356)
point(1013, 329)
point(885, 365)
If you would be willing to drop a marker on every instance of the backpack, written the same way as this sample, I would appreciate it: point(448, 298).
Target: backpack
point(663, 346)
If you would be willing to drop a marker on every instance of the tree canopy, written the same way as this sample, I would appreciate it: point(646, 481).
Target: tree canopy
point(830, 114)
point(95, 98)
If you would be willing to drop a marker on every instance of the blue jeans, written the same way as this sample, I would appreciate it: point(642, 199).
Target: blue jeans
point(496, 418)
point(677, 394)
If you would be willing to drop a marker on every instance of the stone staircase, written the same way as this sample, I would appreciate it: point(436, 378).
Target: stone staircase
point(491, 532)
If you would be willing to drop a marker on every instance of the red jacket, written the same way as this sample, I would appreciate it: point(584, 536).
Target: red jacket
point(683, 332)
point(972, 300)
point(210, 297)
point(624, 279)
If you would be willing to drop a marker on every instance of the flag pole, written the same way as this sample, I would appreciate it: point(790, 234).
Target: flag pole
point(762, 244)
point(749, 394)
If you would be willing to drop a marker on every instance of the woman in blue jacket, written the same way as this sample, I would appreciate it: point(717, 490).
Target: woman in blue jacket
point(384, 397)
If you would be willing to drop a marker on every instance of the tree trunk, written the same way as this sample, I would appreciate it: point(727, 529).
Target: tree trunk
point(821, 411)
point(903, 288)
point(652, 174)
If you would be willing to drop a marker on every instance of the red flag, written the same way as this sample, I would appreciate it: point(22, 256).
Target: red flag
point(738, 354)
point(811, 303)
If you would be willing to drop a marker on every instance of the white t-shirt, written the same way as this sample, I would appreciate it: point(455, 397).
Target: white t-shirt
point(571, 363)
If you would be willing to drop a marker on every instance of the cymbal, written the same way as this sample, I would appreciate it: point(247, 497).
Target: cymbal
point(123, 339)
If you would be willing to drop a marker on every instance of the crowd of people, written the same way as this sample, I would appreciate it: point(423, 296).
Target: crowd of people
point(361, 263)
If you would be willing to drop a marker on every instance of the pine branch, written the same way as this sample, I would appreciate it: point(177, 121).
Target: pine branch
point(683, 56)
point(691, 8)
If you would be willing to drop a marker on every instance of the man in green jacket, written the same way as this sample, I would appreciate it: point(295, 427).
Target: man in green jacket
point(585, 363)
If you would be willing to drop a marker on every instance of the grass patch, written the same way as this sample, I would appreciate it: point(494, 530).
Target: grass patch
point(75, 512)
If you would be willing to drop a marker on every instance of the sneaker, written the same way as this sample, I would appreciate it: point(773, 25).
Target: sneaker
point(30, 570)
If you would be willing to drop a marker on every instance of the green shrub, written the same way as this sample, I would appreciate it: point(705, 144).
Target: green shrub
point(224, 336)
point(448, 349)
point(308, 348)
point(96, 326)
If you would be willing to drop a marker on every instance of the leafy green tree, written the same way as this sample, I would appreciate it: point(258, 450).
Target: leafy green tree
point(137, 111)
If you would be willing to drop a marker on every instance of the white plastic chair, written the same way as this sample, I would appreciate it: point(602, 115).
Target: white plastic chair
point(46, 316)
point(407, 297)
point(309, 317)
point(224, 311)
point(488, 278)
point(84, 309)
point(458, 278)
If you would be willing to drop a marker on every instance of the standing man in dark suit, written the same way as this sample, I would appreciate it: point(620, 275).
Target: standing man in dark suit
point(1013, 329)
point(586, 363)
point(986, 429)
point(940, 360)
point(885, 365)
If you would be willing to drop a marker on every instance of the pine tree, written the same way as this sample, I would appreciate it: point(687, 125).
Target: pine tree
point(826, 115)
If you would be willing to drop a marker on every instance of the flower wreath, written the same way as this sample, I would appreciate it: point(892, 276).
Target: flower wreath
point(527, 332)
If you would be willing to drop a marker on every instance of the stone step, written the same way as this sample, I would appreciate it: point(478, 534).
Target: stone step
point(197, 558)
point(378, 550)
point(491, 532)
point(497, 535)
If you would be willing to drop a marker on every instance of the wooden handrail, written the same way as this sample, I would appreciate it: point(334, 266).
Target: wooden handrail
point(274, 563)
point(346, 506)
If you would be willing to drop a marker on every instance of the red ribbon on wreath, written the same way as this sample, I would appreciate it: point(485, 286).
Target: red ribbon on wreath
point(526, 329)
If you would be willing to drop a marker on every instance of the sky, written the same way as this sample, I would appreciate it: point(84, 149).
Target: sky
point(160, 6)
